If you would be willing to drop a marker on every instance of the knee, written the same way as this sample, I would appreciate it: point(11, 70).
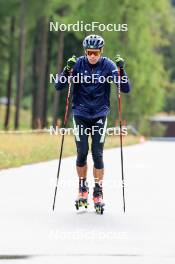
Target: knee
point(98, 159)
point(82, 157)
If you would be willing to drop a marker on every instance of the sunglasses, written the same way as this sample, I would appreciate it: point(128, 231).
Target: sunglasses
point(94, 52)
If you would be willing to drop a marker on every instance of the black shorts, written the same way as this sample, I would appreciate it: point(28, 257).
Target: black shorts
point(96, 128)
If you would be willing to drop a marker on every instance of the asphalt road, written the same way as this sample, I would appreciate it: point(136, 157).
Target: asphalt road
point(30, 232)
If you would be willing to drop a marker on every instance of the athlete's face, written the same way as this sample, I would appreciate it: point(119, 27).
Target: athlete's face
point(93, 55)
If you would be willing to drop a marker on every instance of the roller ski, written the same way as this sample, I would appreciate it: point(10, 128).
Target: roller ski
point(82, 199)
point(98, 199)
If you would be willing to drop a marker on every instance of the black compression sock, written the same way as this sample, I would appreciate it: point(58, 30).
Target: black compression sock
point(98, 186)
point(82, 183)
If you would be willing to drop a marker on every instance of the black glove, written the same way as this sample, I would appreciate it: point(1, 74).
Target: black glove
point(119, 61)
point(70, 64)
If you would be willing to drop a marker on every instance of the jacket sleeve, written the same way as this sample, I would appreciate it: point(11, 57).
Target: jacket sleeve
point(124, 81)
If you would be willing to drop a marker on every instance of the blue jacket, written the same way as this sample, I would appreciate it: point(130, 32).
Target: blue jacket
point(92, 100)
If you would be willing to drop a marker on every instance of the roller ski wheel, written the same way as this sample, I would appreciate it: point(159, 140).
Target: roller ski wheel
point(80, 203)
point(82, 200)
point(98, 200)
point(99, 207)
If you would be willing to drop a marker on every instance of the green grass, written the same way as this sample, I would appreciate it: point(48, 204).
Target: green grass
point(20, 149)
point(25, 118)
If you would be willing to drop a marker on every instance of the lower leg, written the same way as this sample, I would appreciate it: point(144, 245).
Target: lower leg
point(98, 190)
point(82, 172)
point(98, 176)
point(82, 199)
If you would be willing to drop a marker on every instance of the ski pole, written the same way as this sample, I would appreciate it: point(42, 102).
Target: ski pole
point(121, 139)
point(62, 142)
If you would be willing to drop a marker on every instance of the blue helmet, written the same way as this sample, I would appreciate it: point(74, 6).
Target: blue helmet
point(93, 42)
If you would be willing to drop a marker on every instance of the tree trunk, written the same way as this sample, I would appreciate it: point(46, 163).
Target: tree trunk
point(59, 68)
point(20, 74)
point(41, 69)
point(49, 58)
point(34, 80)
point(9, 82)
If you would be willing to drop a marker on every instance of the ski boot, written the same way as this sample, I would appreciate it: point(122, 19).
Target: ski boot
point(82, 199)
point(98, 199)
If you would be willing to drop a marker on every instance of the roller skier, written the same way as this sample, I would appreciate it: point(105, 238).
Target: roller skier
point(90, 107)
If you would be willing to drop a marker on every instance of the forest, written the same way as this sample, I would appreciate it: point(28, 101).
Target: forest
point(36, 41)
